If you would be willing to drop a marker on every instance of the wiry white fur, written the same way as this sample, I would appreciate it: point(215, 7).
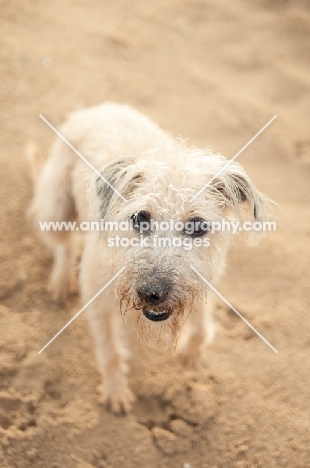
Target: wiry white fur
point(155, 173)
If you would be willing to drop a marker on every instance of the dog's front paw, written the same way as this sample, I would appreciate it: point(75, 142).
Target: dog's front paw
point(118, 400)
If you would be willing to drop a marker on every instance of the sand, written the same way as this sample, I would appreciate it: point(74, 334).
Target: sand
point(214, 72)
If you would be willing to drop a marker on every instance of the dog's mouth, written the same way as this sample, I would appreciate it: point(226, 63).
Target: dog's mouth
point(155, 316)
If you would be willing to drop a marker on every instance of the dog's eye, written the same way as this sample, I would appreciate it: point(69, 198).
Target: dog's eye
point(139, 218)
point(196, 227)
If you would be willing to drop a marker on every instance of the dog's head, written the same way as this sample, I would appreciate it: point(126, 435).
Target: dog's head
point(165, 189)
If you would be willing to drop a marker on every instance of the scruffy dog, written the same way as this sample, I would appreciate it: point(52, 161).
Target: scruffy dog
point(146, 175)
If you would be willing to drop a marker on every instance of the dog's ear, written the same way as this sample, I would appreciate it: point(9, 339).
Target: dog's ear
point(118, 180)
point(235, 188)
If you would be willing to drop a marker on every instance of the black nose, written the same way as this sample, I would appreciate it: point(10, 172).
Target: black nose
point(153, 293)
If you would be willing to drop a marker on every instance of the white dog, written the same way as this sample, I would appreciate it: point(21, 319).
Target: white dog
point(145, 176)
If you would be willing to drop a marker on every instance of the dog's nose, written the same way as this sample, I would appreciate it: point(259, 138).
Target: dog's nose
point(153, 293)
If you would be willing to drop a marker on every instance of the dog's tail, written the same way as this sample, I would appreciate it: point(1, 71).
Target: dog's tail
point(53, 200)
point(35, 159)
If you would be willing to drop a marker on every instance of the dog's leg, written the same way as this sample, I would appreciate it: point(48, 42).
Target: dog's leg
point(190, 351)
point(105, 324)
point(201, 329)
point(111, 356)
point(59, 283)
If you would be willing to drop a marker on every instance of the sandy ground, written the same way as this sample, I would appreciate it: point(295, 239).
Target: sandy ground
point(215, 72)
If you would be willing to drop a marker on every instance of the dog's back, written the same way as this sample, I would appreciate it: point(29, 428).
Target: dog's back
point(98, 133)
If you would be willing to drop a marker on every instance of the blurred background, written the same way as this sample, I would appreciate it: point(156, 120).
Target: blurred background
point(213, 72)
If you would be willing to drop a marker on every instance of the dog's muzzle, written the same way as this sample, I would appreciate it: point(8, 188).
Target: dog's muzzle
point(152, 293)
